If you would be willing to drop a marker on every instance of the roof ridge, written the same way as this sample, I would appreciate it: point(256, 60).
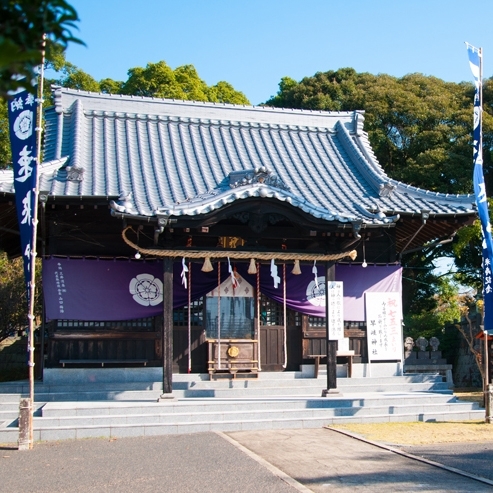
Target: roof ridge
point(261, 108)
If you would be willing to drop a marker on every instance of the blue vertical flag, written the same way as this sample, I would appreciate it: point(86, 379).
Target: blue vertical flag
point(475, 62)
point(22, 126)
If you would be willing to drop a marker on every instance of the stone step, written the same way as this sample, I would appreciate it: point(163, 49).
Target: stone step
point(230, 388)
point(303, 390)
point(342, 383)
point(304, 376)
point(74, 395)
point(259, 414)
point(153, 395)
point(60, 409)
point(12, 412)
point(72, 376)
point(10, 435)
point(184, 382)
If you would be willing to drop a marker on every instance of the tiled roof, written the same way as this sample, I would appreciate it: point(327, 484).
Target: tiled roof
point(186, 158)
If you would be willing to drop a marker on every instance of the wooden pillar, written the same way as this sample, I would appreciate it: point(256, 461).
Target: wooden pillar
point(167, 338)
point(330, 275)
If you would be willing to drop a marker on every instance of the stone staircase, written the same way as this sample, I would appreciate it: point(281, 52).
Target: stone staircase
point(102, 403)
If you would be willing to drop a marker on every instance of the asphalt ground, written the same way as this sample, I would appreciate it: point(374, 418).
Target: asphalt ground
point(277, 461)
point(474, 458)
point(205, 463)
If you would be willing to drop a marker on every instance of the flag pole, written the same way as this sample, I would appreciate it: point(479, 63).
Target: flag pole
point(486, 346)
point(476, 64)
point(32, 283)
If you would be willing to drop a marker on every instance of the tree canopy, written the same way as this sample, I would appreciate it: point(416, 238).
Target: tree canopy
point(156, 80)
point(22, 27)
point(161, 81)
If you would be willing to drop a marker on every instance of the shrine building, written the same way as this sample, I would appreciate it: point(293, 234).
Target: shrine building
point(221, 239)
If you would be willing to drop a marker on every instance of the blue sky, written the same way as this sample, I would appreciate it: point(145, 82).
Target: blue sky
point(253, 43)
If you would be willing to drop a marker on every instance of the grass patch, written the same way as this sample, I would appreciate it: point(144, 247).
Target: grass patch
point(470, 395)
point(419, 433)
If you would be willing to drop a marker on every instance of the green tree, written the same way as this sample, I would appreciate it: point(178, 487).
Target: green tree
point(468, 256)
point(224, 92)
point(5, 154)
point(13, 296)
point(73, 77)
point(23, 24)
point(161, 81)
point(110, 86)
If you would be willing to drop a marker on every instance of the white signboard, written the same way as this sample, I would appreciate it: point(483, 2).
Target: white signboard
point(336, 311)
point(384, 326)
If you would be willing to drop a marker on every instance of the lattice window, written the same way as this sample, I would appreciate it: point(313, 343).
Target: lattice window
point(316, 322)
point(180, 315)
point(272, 313)
point(348, 324)
point(351, 325)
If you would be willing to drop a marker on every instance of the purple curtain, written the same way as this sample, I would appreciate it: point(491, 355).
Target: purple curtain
point(305, 295)
point(95, 290)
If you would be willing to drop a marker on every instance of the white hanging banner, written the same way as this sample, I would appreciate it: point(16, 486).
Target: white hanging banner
point(336, 310)
point(384, 326)
point(184, 272)
point(273, 273)
point(315, 273)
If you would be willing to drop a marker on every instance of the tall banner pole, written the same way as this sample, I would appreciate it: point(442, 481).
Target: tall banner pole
point(476, 64)
point(25, 122)
point(32, 283)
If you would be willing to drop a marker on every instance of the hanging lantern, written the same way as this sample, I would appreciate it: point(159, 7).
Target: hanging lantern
point(252, 268)
point(207, 267)
point(296, 269)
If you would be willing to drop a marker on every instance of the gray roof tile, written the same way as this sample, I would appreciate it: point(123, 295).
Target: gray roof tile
point(175, 157)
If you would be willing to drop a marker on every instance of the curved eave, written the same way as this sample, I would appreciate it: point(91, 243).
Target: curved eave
point(364, 157)
point(45, 171)
point(216, 200)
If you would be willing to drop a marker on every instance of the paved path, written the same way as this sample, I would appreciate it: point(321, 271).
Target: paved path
point(324, 460)
point(475, 458)
point(278, 461)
